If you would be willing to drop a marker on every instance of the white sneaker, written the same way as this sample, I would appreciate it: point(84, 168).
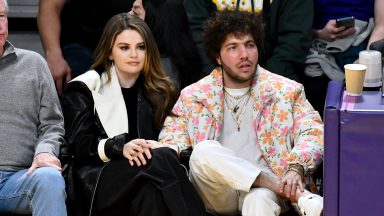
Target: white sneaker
point(311, 205)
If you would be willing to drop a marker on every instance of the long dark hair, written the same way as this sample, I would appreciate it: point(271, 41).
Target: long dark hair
point(168, 22)
point(159, 89)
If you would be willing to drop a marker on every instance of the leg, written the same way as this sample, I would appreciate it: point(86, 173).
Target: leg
point(218, 175)
point(149, 201)
point(40, 193)
point(260, 201)
point(309, 204)
point(161, 185)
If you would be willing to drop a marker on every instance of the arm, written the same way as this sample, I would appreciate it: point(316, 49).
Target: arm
point(330, 32)
point(84, 132)
point(48, 20)
point(307, 152)
point(378, 31)
point(51, 124)
point(289, 36)
point(174, 132)
point(308, 134)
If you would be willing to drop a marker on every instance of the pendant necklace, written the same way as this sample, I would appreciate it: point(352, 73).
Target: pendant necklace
point(236, 104)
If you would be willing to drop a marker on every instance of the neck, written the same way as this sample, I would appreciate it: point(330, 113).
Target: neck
point(126, 80)
point(237, 85)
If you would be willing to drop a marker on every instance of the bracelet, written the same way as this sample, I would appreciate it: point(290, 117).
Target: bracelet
point(297, 168)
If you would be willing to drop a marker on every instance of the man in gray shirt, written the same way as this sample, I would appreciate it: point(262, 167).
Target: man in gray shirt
point(31, 132)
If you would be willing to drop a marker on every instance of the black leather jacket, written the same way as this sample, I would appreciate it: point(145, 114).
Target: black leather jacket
point(83, 133)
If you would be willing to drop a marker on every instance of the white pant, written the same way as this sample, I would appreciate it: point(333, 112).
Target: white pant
point(224, 182)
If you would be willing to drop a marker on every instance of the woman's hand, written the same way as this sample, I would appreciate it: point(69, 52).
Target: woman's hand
point(331, 32)
point(136, 150)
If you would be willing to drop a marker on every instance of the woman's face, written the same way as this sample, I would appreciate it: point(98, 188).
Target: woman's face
point(138, 9)
point(128, 54)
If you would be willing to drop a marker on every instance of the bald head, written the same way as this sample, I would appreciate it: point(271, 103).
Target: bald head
point(5, 5)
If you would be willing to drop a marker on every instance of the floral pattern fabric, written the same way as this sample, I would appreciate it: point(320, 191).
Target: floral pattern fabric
point(288, 130)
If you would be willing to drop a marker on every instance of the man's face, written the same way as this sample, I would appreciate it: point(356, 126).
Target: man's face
point(3, 26)
point(238, 57)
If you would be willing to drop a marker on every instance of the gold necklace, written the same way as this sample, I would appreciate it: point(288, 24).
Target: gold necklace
point(240, 105)
point(237, 97)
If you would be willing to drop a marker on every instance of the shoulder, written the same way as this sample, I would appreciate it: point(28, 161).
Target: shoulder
point(279, 84)
point(90, 79)
point(29, 55)
point(32, 62)
point(76, 94)
point(199, 88)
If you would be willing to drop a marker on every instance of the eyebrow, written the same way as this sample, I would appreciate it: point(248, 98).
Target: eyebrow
point(123, 43)
point(236, 43)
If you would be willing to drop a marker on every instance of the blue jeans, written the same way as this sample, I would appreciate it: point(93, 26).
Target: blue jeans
point(40, 193)
point(79, 58)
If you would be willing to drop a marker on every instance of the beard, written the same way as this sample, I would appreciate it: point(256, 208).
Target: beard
point(235, 77)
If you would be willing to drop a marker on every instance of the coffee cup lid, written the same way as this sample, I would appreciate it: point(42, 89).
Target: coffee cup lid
point(369, 56)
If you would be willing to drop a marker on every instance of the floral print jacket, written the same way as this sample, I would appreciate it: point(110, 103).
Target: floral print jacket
point(287, 128)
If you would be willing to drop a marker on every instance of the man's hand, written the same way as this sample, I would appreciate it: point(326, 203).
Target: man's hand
point(60, 70)
point(45, 160)
point(290, 184)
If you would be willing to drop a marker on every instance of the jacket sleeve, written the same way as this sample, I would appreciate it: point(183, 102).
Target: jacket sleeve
point(51, 122)
point(175, 129)
point(289, 36)
point(308, 133)
point(84, 133)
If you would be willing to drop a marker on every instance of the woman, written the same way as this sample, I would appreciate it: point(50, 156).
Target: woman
point(168, 22)
point(112, 115)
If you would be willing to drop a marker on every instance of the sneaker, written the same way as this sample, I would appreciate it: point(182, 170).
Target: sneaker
point(311, 205)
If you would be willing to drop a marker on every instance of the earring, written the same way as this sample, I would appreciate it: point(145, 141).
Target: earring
point(110, 63)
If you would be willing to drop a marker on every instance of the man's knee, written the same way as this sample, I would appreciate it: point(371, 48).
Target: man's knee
point(261, 198)
point(203, 151)
point(48, 178)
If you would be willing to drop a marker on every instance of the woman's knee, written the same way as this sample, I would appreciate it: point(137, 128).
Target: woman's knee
point(165, 153)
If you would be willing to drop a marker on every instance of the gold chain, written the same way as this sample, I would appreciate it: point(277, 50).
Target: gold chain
point(240, 105)
point(237, 97)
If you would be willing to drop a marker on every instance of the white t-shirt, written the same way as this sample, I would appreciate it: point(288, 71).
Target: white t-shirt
point(242, 142)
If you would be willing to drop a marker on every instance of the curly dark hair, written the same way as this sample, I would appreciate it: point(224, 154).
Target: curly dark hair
point(226, 22)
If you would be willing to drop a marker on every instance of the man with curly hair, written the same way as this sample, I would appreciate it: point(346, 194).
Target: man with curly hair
point(255, 137)
point(288, 27)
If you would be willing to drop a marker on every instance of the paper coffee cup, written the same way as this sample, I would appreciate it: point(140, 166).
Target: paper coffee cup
point(354, 78)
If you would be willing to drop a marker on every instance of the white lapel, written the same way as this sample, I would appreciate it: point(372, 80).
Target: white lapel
point(109, 101)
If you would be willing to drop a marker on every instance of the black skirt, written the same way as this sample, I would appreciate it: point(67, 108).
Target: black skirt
point(161, 187)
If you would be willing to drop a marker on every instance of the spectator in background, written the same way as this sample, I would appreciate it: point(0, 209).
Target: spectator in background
point(288, 31)
point(333, 46)
point(113, 113)
point(168, 22)
point(253, 133)
point(31, 132)
point(70, 31)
